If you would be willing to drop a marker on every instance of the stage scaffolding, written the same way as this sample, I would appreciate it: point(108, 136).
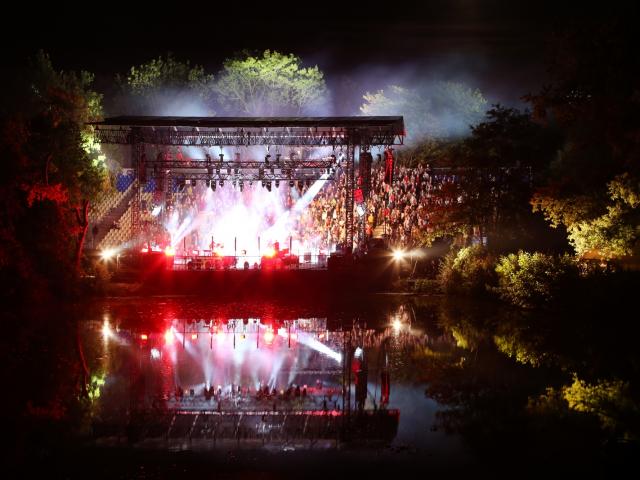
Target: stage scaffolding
point(347, 136)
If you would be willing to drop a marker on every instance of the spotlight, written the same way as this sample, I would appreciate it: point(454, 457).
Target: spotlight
point(291, 184)
point(108, 254)
point(144, 337)
point(264, 184)
point(169, 251)
point(268, 336)
point(222, 183)
point(277, 183)
point(168, 336)
point(269, 186)
point(194, 336)
point(398, 255)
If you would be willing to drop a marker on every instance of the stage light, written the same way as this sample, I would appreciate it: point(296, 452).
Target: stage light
point(194, 336)
point(277, 183)
point(268, 336)
point(266, 160)
point(108, 254)
point(291, 184)
point(270, 253)
point(269, 186)
point(144, 337)
point(222, 183)
point(398, 255)
point(169, 251)
point(168, 336)
point(358, 352)
point(155, 353)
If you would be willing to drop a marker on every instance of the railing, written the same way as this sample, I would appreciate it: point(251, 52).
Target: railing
point(205, 260)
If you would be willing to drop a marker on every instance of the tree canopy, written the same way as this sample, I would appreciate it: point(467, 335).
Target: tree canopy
point(166, 86)
point(270, 84)
point(53, 170)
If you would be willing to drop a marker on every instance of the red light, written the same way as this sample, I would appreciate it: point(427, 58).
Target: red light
point(169, 251)
point(268, 336)
point(168, 336)
point(143, 337)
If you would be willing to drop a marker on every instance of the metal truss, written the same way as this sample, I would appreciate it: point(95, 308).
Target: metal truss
point(301, 137)
point(249, 171)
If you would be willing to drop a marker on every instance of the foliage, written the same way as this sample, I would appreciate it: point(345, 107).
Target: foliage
point(468, 270)
point(612, 234)
point(493, 170)
point(534, 279)
point(53, 169)
point(271, 84)
point(438, 110)
point(167, 86)
point(593, 97)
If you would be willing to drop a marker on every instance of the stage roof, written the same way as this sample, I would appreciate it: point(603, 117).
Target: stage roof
point(248, 131)
point(395, 124)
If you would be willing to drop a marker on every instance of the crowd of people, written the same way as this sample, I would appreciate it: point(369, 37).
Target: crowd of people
point(402, 209)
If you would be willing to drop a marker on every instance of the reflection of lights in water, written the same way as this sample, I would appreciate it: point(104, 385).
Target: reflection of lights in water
point(268, 336)
point(168, 336)
point(155, 353)
point(106, 330)
point(397, 325)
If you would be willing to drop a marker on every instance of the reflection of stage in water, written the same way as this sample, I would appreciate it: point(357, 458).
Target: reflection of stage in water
point(247, 380)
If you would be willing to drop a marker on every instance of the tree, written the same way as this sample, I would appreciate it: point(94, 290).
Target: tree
point(593, 97)
point(166, 86)
point(54, 170)
point(493, 172)
point(437, 110)
point(271, 84)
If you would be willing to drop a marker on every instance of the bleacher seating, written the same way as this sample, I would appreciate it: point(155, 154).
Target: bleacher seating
point(124, 180)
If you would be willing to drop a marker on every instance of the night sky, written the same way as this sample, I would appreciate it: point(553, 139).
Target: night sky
point(498, 45)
